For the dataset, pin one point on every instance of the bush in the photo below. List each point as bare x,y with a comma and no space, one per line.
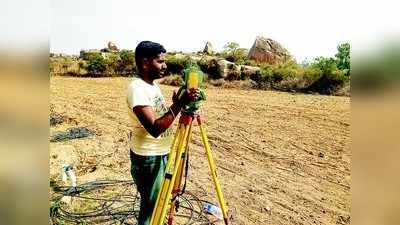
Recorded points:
233,53
281,76
285,70
343,58
112,63
308,76
263,80
65,66
330,79
247,62
127,64
176,63
210,67
96,64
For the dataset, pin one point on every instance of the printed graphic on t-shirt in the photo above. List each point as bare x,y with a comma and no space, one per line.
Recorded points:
160,109
159,106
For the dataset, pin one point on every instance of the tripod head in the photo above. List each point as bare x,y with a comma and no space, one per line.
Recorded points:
193,79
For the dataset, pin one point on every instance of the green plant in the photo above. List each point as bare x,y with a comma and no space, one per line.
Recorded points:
343,58
233,53
176,63
96,64
127,64
331,77
55,206
82,222
247,62
263,79
288,69
112,62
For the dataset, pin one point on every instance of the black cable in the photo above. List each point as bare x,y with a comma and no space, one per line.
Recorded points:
120,208
186,172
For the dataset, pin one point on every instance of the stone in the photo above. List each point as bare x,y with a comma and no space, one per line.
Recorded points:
55,118
208,49
229,70
112,46
266,50
248,71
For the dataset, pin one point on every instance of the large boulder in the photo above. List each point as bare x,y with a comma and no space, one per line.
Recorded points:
218,68
248,71
112,47
266,50
229,70
208,49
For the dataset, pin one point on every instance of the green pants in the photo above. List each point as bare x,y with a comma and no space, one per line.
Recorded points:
148,174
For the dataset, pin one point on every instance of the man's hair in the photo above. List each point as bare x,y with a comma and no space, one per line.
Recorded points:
147,49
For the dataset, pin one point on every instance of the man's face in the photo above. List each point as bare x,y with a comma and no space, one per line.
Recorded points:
157,67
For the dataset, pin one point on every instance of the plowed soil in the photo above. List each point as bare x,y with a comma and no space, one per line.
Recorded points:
282,158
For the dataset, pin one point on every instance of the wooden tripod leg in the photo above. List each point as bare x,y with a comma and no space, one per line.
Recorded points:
164,195
213,171
178,180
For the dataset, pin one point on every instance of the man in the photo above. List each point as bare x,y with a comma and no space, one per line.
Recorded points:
151,137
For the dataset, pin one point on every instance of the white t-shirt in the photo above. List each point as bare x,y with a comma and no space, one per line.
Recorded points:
141,142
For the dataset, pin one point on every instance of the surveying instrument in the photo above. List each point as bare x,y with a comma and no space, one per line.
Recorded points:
171,186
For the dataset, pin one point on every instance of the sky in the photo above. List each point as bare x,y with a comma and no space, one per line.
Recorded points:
307,29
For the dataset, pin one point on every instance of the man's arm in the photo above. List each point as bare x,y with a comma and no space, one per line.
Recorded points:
154,126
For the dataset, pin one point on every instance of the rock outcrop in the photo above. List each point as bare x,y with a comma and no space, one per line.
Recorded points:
229,70
248,71
112,47
266,50
208,49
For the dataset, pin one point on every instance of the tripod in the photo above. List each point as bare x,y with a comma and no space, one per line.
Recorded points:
171,185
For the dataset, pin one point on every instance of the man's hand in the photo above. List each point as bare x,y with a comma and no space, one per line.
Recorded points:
184,97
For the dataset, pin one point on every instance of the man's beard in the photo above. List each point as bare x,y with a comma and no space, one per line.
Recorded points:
157,74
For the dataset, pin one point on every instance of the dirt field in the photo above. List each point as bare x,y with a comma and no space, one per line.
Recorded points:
282,158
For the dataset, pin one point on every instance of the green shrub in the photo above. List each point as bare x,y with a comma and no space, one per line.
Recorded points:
82,67
343,58
176,63
112,62
96,64
233,53
127,64
285,70
247,62
309,75
331,77
210,66
263,80
276,76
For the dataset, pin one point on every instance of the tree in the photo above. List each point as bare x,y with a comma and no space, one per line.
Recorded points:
96,64
127,64
112,62
231,47
232,52
343,57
